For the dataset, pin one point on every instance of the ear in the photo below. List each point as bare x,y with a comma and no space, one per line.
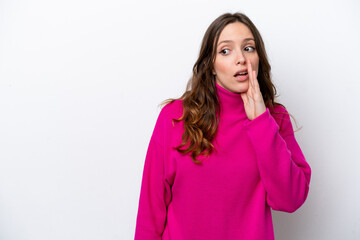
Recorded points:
213,72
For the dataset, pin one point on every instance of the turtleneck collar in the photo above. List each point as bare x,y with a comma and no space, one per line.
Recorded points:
231,104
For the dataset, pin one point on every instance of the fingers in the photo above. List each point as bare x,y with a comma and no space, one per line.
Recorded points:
256,82
251,75
249,70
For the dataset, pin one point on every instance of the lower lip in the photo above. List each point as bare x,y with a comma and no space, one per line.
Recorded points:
242,77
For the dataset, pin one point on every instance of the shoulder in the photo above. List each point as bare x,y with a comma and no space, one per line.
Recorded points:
169,112
278,108
278,111
172,110
282,118
165,124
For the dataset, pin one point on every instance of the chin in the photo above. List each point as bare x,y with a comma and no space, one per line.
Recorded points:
235,87
241,89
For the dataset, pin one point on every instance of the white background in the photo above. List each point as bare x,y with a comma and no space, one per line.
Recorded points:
80,84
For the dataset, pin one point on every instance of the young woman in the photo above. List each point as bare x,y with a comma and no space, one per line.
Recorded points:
224,154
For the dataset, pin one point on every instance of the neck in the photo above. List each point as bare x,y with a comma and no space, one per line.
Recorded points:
231,104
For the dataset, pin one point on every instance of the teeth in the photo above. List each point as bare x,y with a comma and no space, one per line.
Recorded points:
241,73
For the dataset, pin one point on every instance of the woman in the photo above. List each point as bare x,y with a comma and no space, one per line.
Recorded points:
224,154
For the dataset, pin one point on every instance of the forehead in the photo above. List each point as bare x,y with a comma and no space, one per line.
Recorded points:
236,31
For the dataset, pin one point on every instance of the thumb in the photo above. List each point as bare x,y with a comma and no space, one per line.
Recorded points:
244,97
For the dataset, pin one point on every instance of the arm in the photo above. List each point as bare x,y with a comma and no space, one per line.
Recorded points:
282,165
155,192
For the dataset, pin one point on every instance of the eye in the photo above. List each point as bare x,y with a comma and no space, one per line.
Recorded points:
249,49
224,51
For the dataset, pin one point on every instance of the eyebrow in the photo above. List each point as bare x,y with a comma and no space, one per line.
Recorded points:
245,40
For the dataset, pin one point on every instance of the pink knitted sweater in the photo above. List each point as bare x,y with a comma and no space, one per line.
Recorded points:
257,166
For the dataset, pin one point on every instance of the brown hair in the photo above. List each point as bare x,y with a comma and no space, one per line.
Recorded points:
200,101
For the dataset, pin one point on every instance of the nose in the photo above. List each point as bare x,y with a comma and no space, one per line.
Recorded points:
240,59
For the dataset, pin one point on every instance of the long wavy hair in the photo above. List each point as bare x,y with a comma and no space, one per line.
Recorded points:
200,100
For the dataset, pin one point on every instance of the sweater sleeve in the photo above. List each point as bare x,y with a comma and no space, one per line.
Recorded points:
283,169
155,191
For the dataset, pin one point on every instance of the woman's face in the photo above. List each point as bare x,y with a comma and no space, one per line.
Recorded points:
235,48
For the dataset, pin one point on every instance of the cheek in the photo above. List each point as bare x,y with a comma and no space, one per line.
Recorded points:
256,67
221,67
255,63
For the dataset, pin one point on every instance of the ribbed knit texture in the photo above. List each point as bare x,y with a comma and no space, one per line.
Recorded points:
257,166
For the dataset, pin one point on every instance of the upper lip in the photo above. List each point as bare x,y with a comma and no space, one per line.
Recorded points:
243,70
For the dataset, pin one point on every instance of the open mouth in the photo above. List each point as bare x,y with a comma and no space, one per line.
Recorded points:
240,74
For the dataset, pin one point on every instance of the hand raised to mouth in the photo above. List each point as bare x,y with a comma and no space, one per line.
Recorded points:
253,101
